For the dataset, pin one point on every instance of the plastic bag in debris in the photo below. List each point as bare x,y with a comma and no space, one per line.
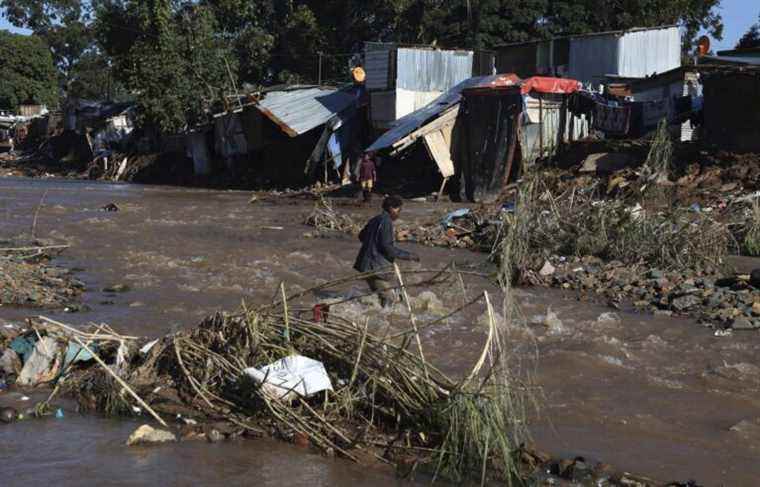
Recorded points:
75,353
23,346
446,221
295,374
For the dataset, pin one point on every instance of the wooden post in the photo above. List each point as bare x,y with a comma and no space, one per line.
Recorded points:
540,127
511,149
571,137
562,124
443,186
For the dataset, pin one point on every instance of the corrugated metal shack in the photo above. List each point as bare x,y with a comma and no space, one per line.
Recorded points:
402,80
654,98
281,135
634,53
478,132
732,108
489,122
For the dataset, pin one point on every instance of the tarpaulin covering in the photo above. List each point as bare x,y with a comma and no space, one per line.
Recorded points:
558,86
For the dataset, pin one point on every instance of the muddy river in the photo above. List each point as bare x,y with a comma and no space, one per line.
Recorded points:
653,395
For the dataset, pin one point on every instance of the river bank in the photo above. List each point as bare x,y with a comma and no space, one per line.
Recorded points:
183,253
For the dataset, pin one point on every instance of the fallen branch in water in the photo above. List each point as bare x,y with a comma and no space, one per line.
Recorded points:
36,249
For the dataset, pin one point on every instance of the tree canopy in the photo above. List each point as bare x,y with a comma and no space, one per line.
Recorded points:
751,38
178,57
27,71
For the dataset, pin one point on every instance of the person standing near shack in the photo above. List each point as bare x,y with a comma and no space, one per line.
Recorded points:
379,251
367,175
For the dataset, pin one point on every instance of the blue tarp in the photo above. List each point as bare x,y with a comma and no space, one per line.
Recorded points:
446,221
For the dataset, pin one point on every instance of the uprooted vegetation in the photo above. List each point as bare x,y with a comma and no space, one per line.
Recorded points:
751,229
388,403
579,224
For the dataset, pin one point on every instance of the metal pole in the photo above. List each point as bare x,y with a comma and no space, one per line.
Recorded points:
320,68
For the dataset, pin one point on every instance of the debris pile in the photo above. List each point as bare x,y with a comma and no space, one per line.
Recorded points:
253,373
326,219
27,279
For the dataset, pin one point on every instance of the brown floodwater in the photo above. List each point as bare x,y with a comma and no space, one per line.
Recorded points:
652,395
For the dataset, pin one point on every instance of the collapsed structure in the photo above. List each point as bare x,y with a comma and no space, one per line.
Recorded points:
474,131
284,133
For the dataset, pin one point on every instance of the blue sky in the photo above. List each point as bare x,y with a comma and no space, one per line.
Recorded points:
738,16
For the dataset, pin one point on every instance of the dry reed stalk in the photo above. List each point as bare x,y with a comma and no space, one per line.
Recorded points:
412,319
121,382
751,239
37,213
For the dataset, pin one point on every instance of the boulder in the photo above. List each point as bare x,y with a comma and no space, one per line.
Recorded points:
147,435
43,364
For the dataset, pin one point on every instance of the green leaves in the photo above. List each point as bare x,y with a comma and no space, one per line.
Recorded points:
27,72
177,64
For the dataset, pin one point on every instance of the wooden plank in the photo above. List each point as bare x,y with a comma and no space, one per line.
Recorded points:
440,151
447,118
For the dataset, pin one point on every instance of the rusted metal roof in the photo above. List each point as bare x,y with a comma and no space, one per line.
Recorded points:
298,110
498,82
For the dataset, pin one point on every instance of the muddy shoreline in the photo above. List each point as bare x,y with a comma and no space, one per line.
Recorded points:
229,221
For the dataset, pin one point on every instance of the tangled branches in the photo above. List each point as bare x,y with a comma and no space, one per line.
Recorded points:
388,401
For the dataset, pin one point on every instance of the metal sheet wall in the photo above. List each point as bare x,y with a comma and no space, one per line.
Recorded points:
645,52
383,108
431,70
593,57
634,54
377,65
